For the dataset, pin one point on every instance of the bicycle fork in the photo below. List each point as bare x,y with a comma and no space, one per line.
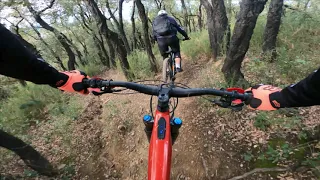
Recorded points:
175,124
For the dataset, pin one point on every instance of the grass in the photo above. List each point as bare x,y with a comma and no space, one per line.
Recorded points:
27,106
92,69
140,64
298,55
198,46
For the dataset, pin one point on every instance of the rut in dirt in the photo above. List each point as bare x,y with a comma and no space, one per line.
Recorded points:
89,162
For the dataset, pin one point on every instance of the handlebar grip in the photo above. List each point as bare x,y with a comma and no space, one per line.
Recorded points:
85,82
247,97
90,83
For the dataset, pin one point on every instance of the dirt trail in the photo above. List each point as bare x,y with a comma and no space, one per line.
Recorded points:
210,145
126,148
108,141
129,149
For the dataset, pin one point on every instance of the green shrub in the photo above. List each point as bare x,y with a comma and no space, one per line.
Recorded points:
262,121
92,69
28,105
199,45
297,48
140,65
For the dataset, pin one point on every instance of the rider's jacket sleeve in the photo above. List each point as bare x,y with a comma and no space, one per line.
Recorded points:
17,62
178,27
304,93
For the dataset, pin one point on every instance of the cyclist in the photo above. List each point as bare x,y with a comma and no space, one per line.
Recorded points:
304,93
165,30
17,62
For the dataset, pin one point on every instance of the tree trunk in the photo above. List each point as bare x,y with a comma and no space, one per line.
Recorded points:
58,60
306,5
112,53
200,24
114,37
133,24
79,54
211,28
119,24
217,24
140,40
185,15
176,17
143,18
27,153
60,36
272,27
102,53
103,59
228,34
159,4
194,25
245,24
81,42
229,9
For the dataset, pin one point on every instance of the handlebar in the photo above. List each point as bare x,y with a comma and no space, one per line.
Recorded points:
173,91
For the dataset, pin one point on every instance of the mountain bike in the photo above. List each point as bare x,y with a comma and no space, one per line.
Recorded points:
169,69
162,128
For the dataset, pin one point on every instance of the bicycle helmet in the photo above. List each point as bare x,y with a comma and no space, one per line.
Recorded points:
162,12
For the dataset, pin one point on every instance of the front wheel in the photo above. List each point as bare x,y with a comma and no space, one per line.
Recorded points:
164,70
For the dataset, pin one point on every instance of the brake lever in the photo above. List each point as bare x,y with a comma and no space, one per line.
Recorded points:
227,103
105,90
220,103
237,107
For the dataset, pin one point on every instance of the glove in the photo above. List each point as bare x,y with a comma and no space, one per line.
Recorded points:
154,38
265,97
74,83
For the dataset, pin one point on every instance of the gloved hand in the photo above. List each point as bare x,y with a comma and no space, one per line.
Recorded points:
187,38
265,97
74,82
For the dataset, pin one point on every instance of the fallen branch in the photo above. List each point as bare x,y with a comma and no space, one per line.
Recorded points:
205,166
260,170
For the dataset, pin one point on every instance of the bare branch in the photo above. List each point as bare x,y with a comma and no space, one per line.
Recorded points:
193,15
37,39
205,166
48,7
260,170
17,24
120,13
112,16
159,3
9,21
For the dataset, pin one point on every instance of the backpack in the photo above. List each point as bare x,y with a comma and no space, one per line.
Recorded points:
162,26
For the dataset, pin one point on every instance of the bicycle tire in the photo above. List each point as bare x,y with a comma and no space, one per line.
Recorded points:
164,69
172,71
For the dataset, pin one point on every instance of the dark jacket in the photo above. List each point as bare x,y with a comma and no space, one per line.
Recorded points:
177,28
